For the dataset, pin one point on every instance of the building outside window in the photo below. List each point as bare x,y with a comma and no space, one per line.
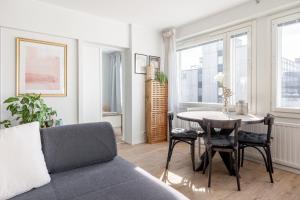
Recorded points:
198,67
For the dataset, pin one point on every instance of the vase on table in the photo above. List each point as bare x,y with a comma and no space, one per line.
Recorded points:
227,93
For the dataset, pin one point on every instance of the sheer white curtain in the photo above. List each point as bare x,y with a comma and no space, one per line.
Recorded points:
171,68
115,97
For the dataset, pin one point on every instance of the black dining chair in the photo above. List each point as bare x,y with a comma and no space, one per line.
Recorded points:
222,143
195,125
257,141
177,135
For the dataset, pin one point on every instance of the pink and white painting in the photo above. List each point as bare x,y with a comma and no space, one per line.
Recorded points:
41,67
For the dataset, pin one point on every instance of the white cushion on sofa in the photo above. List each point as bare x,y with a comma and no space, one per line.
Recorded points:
22,163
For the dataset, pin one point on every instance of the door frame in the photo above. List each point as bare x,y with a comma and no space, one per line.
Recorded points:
101,47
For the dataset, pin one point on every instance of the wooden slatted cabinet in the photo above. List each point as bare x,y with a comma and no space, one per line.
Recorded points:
156,111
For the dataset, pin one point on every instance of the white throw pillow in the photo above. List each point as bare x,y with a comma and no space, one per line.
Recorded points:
22,162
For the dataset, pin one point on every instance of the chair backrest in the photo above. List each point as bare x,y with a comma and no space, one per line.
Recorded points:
269,121
170,120
232,125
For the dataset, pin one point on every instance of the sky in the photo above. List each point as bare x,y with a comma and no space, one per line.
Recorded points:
291,41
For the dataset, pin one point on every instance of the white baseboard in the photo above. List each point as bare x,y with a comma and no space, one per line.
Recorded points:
140,138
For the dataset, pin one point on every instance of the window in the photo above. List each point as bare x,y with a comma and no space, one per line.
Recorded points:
198,67
286,43
230,53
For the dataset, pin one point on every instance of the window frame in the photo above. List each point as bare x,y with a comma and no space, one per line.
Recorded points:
275,65
226,34
249,59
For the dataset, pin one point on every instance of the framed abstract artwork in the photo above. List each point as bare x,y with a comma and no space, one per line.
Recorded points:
41,67
155,62
141,62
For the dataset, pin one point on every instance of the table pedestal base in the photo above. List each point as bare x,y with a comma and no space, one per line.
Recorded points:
225,157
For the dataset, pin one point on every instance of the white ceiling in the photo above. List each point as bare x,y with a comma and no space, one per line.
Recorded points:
155,13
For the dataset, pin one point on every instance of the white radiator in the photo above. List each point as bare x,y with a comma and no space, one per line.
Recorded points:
285,143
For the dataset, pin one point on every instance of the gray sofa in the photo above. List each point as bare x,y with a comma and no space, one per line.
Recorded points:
83,163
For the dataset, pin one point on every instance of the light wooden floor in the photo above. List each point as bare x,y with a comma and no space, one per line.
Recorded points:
255,181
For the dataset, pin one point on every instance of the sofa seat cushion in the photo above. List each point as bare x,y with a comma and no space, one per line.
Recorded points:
114,180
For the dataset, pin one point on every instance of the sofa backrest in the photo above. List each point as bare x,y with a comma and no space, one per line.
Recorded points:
73,146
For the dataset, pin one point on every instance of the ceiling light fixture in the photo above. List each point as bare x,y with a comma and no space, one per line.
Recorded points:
257,1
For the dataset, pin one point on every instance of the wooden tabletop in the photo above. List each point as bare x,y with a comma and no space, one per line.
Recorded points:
197,116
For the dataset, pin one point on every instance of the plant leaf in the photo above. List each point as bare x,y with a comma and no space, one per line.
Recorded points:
11,99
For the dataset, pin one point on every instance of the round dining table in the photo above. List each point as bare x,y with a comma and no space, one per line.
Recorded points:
198,116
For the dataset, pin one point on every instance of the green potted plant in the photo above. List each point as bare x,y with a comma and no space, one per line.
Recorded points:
29,108
161,77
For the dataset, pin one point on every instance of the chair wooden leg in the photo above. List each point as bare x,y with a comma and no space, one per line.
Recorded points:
170,151
242,164
231,162
193,154
199,148
269,163
265,157
210,166
205,161
237,170
239,157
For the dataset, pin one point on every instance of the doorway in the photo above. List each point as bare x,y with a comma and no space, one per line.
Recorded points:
112,109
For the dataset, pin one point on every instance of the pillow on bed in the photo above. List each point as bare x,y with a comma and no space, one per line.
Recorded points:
22,163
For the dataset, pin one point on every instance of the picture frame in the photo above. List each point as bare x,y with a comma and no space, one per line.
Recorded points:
141,62
41,68
155,62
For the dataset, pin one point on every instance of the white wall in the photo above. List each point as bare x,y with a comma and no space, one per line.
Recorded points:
149,42
33,19
45,18
241,13
66,106
90,84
